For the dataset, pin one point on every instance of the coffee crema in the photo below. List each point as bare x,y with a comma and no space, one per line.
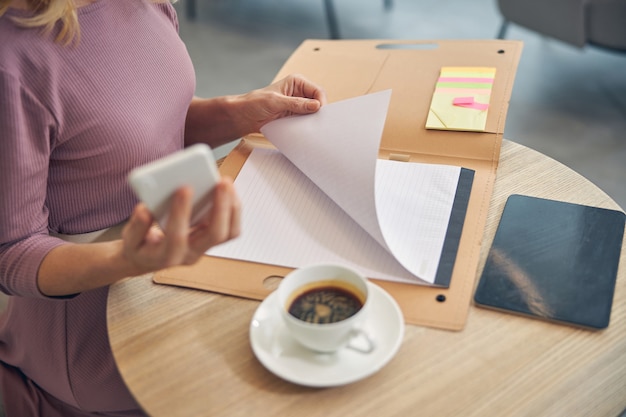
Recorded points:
325,304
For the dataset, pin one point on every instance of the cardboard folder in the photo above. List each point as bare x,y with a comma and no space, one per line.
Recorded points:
349,68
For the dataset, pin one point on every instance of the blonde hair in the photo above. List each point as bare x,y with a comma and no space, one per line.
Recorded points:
48,12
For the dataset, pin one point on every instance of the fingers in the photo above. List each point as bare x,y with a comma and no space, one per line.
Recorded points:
177,227
137,227
179,243
226,214
302,95
309,89
224,220
298,105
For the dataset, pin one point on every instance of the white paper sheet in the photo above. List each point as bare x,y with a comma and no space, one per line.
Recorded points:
325,197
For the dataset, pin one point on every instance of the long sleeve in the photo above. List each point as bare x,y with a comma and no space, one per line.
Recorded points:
24,241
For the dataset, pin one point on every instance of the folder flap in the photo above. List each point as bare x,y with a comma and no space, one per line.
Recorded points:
411,69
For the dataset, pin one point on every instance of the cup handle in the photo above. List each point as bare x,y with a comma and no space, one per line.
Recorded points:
363,342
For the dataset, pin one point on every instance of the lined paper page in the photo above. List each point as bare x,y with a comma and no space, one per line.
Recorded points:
413,203
325,197
287,220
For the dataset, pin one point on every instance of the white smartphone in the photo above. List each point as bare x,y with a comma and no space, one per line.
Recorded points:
155,183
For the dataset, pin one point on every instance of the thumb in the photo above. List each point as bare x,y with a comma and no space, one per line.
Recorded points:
301,105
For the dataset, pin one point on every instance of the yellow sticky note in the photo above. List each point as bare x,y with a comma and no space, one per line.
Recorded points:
461,99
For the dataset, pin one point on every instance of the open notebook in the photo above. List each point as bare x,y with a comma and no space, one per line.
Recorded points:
324,196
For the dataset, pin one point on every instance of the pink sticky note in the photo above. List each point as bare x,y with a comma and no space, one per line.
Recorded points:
463,100
468,102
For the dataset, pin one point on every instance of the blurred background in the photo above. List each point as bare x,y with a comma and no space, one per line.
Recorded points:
568,102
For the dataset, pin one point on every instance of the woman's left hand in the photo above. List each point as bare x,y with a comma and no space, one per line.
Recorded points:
292,95
220,120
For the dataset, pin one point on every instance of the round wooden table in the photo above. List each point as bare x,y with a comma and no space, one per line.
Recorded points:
185,352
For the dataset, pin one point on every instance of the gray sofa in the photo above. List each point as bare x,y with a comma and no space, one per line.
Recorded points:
600,23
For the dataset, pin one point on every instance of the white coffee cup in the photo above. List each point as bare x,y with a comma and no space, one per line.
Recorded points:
332,302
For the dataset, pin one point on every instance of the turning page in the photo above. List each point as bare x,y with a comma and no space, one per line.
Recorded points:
324,196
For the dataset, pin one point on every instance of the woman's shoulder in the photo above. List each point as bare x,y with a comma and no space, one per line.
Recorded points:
168,11
19,47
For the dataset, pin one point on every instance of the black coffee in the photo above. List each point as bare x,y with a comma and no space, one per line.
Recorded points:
326,304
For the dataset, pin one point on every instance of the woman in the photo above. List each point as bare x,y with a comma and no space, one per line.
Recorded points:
90,90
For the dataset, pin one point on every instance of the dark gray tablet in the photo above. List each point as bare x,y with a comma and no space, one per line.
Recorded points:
553,260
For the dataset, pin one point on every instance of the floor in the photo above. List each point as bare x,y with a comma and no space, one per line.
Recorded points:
568,103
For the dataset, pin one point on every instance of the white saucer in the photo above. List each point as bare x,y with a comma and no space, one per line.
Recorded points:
286,358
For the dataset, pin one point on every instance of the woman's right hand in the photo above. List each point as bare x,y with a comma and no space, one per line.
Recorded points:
148,248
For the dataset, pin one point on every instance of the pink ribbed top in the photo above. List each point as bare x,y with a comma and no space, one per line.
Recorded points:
74,120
